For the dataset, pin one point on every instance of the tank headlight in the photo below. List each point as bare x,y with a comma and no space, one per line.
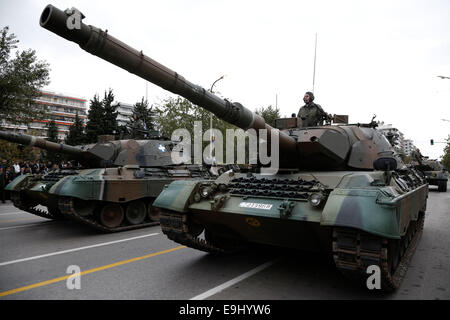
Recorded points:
205,192
315,199
197,197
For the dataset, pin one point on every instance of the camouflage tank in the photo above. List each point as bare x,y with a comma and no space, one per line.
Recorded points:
340,188
115,189
29,192
435,173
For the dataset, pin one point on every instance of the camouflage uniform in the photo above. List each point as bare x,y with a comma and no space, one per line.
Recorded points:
311,114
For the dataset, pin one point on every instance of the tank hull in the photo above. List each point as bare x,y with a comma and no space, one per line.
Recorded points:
378,210
437,178
280,211
118,199
30,193
82,195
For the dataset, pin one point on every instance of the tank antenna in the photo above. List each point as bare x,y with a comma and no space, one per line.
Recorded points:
314,72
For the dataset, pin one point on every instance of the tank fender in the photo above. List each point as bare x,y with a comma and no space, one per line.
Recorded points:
86,185
176,195
15,184
359,208
70,187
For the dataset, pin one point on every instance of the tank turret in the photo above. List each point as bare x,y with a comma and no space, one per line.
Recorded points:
144,153
434,172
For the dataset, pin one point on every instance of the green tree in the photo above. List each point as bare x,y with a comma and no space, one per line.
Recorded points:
179,113
52,136
270,114
446,157
76,133
109,114
12,151
94,125
141,121
52,131
21,79
175,113
102,117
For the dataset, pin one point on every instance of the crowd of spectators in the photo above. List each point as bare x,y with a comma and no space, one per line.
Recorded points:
9,170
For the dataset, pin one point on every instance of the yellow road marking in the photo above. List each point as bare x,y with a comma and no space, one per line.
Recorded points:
116,264
19,219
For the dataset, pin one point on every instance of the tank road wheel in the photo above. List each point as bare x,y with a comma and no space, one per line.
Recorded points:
83,208
111,215
136,212
153,212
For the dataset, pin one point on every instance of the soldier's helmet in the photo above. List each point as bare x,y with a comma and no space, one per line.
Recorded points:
311,96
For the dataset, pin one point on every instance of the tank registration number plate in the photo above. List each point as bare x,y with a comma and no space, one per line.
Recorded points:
253,205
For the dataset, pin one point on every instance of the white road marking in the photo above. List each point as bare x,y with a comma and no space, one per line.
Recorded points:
75,249
233,281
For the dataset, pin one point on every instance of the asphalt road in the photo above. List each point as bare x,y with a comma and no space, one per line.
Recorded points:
35,255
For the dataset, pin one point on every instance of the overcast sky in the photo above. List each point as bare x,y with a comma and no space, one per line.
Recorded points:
373,57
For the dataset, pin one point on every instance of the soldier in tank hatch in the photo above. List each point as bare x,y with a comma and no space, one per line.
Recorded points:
311,113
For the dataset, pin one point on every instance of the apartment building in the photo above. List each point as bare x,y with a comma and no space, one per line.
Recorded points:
62,108
406,145
125,111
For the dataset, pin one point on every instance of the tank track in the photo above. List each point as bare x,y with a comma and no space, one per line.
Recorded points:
176,227
354,251
18,203
66,206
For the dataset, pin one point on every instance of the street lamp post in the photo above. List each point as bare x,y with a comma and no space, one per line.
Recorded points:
213,160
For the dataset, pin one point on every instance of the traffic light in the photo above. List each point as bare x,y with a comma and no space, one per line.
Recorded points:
432,142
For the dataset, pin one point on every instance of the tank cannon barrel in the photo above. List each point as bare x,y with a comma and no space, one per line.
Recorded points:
28,140
103,45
